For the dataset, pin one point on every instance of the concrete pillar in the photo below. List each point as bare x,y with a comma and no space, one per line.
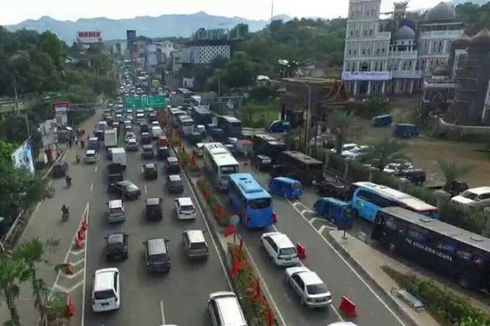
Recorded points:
402,184
383,88
369,88
354,88
442,199
411,86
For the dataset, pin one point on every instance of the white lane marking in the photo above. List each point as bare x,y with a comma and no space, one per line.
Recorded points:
96,168
162,312
82,323
91,187
209,230
351,268
146,189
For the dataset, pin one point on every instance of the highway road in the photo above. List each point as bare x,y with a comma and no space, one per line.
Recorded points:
179,297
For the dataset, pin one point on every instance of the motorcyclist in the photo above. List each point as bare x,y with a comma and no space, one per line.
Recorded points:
65,211
68,180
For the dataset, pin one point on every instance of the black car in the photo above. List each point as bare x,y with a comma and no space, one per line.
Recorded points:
144,128
125,189
163,152
147,152
263,162
172,165
154,209
116,246
174,184
145,138
156,255
150,171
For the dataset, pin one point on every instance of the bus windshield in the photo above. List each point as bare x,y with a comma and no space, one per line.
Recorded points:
259,203
229,169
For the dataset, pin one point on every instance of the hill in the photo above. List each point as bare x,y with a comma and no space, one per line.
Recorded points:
161,26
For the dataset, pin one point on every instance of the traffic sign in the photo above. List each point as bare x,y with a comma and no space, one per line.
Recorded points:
139,102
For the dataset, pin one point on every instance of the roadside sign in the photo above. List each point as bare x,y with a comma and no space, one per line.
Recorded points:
139,102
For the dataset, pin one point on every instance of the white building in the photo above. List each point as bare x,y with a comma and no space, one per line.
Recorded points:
392,56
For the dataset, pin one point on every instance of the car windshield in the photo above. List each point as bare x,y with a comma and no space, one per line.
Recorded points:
259,203
117,210
469,195
104,295
159,258
287,251
296,186
198,245
187,208
316,289
131,186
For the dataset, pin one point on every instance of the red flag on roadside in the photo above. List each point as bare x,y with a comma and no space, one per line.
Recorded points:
229,230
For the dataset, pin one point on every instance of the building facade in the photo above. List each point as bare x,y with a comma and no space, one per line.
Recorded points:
393,56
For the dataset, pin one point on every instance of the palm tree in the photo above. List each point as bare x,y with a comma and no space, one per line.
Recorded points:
12,273
452,172
341,120
384,151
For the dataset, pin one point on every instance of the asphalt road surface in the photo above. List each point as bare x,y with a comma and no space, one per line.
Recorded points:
178,297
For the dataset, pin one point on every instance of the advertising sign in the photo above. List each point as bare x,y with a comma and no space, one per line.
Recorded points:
90,36
61,112
139,102
22,157
366,75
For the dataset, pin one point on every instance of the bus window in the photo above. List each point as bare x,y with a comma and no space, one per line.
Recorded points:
259,203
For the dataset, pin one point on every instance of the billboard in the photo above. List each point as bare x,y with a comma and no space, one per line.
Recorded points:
366,75
89,36
22,157
61,112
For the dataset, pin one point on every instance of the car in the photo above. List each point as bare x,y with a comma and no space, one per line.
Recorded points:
184,207
116,246
116,211
144,128
129,135
154,209
145,138
281,250
150,171
106,293
198,149
473,197
225,310
195,245
132,145
172,165
156,255
147,152
125,189
90,156
308,286
174,184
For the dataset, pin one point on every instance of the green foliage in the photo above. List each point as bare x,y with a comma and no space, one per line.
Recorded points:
384,151
473,16
6,150
12,273
471,219
375,105
452,171
340,122
447,307
257,115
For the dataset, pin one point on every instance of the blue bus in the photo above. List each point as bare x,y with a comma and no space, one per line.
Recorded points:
369,197
231,125
250,201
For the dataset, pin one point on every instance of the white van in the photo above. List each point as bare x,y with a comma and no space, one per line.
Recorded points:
280,248
156,131
106,293
224,309
185,208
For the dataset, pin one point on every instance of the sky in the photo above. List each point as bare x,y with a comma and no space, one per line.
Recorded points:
15,11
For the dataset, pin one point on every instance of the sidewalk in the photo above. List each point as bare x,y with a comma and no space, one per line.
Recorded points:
370,261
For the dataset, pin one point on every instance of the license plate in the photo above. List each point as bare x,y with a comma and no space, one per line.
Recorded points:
105,304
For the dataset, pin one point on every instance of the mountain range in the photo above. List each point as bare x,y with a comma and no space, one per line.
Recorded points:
161,26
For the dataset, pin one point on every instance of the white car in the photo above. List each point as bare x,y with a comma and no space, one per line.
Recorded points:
308,286
280,248
473,197
185,208
131,145
129,135
106,293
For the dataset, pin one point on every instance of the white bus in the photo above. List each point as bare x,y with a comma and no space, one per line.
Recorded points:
219,163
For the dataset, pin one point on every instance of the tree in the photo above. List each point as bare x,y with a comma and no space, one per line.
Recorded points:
12,273
384,151
340,122
452,172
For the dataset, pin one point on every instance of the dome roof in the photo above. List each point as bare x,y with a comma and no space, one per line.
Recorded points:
441,12
462,41
441,70
404,33
481,38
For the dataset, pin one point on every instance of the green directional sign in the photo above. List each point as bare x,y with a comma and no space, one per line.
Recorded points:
139,102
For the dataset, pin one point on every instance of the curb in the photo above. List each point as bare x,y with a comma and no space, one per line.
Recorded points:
386,295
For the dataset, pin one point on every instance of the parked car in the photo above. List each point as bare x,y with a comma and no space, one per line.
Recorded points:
145,138
174,184
153,209
150,171
280,248
308,286
474,197
125,189
195,245
116,246
106,293
156,255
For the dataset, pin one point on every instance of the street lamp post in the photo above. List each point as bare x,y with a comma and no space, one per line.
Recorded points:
308,114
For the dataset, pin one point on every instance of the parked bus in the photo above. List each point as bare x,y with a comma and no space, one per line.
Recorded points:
250,201
267,145
369,197
441,247
202,115
219,164
299,166
231,125
185,124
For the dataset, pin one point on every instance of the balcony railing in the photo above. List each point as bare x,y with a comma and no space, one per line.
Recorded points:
406,74
440,34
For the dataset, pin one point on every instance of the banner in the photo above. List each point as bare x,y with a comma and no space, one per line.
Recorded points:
366,75
61,112
22,157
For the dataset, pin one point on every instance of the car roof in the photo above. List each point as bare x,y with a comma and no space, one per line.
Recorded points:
115,238
90,151
104,279
229,307
280,239
174,177
115,203
153,201
195,235
148,146
157,246
185,201
310,278
172,159
149,165
479,190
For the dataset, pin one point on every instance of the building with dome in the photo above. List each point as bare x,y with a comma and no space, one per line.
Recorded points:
394,56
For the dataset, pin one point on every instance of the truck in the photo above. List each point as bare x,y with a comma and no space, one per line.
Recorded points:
119,156
110,138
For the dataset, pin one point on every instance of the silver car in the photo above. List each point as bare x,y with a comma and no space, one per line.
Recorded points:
308,286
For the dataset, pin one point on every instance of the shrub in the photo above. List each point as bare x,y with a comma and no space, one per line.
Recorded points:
221,215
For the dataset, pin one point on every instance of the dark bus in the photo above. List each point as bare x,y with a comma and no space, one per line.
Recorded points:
456,253
268,145
231,125
298,166
201,115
